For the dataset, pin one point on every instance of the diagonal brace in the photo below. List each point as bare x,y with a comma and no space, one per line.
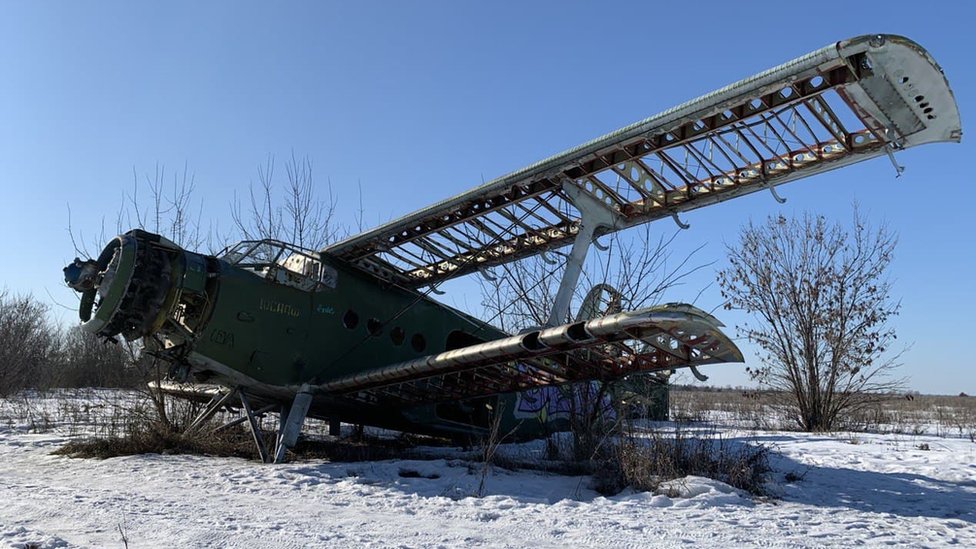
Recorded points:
212,407
255,428
594,214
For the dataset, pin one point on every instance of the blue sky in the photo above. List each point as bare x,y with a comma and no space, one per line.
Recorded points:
418,101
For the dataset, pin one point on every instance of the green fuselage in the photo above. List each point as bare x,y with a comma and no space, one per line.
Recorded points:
282,335
273,337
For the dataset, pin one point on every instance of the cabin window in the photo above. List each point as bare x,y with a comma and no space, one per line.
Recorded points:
397,335
350,319
418,343
374,326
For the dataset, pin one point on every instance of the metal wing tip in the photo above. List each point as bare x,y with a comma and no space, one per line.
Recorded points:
736,355
685,308
731,353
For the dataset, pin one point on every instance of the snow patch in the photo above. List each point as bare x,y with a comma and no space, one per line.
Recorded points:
884,490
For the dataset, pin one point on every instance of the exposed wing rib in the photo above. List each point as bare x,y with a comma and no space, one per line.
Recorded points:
841,104
605,348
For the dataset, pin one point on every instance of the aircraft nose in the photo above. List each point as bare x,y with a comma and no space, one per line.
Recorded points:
131,279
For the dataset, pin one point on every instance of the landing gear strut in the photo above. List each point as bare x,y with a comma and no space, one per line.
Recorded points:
291,419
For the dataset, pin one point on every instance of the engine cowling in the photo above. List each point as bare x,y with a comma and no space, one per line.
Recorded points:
130,288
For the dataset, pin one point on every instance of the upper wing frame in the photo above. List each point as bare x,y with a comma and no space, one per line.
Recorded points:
844,103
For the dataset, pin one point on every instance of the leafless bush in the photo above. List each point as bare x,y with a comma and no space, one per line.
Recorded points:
35,353
489,448
822,304
646,463
104,423
643,458
591,424
945,416
21,410
70,411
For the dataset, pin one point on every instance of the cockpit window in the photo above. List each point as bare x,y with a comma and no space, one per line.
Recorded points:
265,253
234,254
282,262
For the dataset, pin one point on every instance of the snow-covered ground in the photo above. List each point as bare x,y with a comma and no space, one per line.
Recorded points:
855,489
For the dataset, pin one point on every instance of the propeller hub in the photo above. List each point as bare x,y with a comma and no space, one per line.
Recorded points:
81,276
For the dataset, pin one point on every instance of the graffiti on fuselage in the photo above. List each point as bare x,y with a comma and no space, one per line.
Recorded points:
551,403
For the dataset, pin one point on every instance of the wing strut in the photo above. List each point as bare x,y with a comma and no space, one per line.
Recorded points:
594,215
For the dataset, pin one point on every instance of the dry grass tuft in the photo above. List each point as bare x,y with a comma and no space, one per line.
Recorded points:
645,463
158,438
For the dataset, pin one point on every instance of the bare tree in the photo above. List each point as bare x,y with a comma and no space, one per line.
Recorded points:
634,272
299,216
167,210
822,303
641,268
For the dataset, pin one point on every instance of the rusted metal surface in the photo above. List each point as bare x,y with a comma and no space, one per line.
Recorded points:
659,338
847,102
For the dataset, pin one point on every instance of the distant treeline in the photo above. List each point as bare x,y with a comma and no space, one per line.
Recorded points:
36,353
755,390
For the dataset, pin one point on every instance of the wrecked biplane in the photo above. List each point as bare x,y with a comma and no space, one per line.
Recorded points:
350,333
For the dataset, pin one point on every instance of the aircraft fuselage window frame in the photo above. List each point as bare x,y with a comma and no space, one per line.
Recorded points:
282,263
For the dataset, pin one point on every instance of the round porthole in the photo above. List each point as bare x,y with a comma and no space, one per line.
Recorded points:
373,326
418,343
397,335
350,319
